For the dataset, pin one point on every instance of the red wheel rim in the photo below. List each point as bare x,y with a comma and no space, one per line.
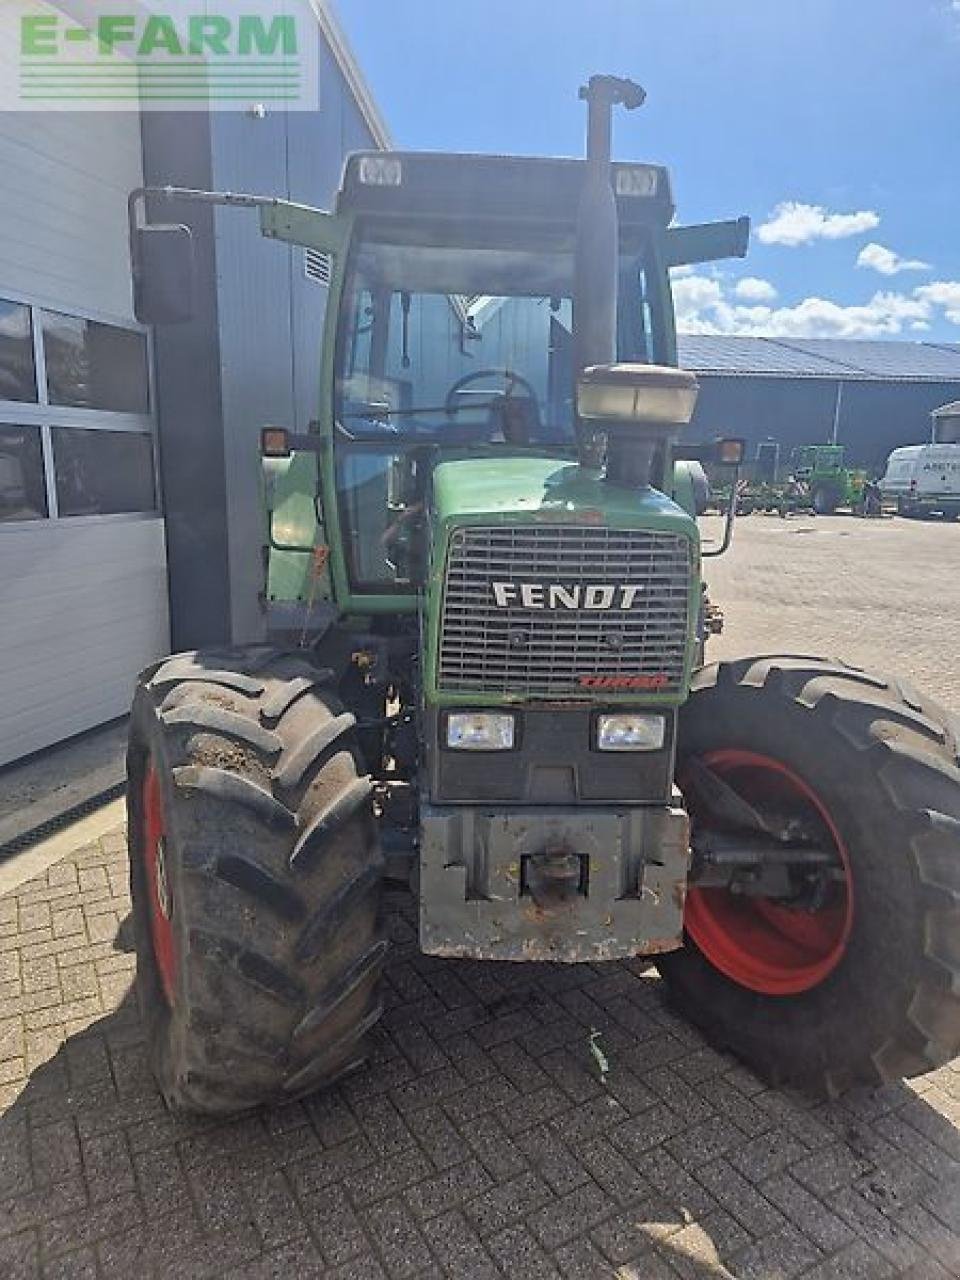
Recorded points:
158,883
757,943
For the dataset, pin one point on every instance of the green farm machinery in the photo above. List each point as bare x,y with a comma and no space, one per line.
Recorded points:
484,672
830,483
817,480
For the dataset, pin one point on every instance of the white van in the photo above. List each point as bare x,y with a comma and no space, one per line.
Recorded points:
924,478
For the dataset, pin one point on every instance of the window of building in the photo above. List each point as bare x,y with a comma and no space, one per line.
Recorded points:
22,488
90,365
18,375
103,472
64,449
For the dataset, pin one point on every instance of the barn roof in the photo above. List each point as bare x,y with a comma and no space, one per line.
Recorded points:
832,358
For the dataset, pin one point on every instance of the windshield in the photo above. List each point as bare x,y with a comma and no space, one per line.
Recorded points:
454,346
437,340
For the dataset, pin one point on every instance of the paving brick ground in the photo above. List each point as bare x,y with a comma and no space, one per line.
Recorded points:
480,1142
883,593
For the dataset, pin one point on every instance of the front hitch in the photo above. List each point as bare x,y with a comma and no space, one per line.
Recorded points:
554,878
568,884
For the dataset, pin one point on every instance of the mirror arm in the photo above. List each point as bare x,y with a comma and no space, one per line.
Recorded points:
139,195
305,442
278,442
203,197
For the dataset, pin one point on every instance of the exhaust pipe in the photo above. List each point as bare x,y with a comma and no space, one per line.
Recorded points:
597,243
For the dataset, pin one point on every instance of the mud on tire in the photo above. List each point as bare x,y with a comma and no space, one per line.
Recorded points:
259,942
884,762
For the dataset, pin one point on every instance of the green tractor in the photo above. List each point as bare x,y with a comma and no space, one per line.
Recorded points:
485,586
822,471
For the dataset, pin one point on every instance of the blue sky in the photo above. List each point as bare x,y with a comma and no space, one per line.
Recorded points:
834,123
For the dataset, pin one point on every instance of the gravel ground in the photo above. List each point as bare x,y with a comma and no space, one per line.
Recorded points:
480,1142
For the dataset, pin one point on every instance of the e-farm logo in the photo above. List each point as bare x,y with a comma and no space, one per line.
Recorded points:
150,55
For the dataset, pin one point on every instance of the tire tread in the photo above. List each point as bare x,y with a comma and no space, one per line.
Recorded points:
261,761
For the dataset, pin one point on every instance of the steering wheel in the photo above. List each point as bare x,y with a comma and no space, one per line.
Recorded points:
517,416
478,375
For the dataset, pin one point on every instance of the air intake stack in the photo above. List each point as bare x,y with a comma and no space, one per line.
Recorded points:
640,408
595,262
637,407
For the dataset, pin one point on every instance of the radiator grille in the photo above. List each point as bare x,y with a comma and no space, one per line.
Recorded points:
485,648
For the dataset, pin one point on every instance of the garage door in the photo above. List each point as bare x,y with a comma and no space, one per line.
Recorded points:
83,595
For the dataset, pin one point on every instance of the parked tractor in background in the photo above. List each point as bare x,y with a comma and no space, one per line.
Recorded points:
486,668
830,483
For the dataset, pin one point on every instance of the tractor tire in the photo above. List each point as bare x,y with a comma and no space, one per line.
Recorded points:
865,989
255,873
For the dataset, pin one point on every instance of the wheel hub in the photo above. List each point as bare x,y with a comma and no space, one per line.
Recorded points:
769,946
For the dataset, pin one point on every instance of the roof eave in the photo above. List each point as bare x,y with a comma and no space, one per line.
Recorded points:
346,60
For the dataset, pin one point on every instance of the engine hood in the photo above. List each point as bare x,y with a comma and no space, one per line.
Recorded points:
473,500
502,490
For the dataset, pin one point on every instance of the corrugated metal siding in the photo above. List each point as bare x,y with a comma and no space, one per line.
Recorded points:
875,417
271,315
63,228
84,608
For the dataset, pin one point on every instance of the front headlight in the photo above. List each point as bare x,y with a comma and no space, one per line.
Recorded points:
629,731
480,731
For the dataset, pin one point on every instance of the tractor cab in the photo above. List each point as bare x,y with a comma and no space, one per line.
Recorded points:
455,331
461,315
818,459
826,478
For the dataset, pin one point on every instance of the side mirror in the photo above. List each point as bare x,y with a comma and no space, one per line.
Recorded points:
164,273
710,242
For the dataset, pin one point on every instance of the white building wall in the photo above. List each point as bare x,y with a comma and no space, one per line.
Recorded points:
63,211
83,599
83,606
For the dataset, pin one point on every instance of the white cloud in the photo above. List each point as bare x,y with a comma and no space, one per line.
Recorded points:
793,223
751,289
709,305
884,316
942,293
694,295
879,258
703,307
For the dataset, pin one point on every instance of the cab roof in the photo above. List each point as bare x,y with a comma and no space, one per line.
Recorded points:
445,185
